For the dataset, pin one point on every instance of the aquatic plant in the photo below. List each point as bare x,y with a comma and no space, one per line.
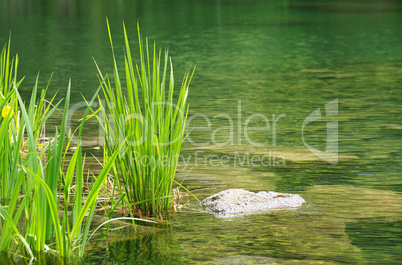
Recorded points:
11,138
68,230
34,186
8,107
41,180
8,76
145,119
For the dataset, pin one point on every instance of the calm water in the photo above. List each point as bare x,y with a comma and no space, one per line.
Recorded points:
283,58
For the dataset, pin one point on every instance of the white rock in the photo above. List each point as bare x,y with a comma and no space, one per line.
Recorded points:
234,202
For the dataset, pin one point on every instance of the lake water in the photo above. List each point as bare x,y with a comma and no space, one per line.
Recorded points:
259,63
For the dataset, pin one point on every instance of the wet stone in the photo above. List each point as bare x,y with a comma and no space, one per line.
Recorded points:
233,202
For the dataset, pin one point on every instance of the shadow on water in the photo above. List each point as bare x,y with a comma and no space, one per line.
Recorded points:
379,240
297,176
155,249
373,6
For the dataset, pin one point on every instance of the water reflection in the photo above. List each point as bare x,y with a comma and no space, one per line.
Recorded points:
277,57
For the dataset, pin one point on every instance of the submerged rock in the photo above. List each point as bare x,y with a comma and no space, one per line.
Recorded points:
246,260
352,204
233,202
269,155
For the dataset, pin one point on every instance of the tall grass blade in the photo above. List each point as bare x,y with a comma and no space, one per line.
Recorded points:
146,122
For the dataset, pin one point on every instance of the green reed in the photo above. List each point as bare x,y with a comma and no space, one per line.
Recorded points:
8,107
34,186
146,120
46,180
11,139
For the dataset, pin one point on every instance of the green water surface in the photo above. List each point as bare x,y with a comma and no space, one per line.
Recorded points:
254,57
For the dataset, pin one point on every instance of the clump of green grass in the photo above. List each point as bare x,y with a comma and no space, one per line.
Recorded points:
33,184
48,181
8,122
145,118
11,138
